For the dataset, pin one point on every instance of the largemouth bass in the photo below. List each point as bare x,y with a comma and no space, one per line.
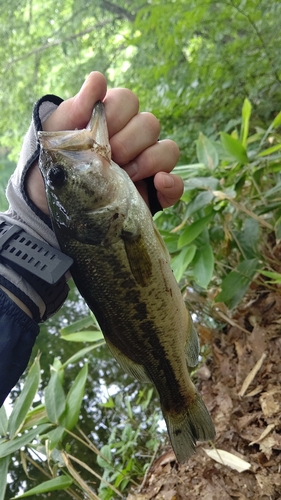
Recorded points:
121,268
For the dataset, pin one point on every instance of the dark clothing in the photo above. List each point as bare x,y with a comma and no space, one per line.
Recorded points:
18,333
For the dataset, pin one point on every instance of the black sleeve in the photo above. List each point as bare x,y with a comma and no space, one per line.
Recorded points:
18,333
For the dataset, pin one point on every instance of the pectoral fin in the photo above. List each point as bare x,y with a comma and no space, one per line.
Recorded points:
138,258
135,370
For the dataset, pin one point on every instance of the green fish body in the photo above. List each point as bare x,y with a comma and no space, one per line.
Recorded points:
121,268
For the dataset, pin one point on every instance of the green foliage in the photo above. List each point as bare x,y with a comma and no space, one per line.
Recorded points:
218,231
191,62
59,483
120,457
41,431
195,65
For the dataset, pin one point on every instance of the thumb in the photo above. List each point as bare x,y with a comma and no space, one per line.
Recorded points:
76,111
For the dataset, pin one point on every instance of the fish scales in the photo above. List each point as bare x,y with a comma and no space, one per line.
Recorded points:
121,268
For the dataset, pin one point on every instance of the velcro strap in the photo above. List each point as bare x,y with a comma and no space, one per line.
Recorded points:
41,265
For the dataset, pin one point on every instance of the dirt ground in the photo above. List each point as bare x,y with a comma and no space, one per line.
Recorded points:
241,386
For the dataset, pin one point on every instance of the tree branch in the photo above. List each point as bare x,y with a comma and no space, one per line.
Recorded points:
50,45
116,9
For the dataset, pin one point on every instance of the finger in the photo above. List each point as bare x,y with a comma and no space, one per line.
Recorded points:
169,188
76,111
121,105
140,133
160,157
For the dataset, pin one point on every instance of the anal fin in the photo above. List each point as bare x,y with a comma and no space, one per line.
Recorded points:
135,370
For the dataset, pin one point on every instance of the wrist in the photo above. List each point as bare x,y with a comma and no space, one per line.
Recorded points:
17,301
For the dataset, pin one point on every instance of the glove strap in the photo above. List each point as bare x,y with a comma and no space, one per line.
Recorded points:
41,265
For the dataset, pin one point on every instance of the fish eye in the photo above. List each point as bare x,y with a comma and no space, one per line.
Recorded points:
57,176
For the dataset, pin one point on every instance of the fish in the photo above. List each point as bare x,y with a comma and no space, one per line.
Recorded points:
121,268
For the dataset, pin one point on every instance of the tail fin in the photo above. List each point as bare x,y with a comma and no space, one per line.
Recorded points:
195,424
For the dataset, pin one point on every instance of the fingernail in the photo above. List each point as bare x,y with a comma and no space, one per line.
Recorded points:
168,181
131,169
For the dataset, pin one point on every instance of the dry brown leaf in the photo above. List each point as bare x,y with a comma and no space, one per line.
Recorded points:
250,377
263,434
266,446
225,458
270,402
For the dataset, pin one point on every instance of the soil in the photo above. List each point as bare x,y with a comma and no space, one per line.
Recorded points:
241,386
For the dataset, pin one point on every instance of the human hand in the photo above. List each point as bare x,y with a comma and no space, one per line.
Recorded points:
133,139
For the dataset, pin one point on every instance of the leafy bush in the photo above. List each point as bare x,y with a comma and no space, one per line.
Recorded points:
230,206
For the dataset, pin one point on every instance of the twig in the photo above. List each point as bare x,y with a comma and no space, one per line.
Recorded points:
148,469
231,321
250,377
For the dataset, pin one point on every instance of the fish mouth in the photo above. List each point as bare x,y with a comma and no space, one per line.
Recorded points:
94,137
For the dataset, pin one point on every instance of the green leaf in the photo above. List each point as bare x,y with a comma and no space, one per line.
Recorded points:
275,277
187,171
246,113
193,230
3,421
35,416
182,260
74,398
4,464
234,148
200,201
59,483
25,399
80,354
236,283
209,183
277,121
249,238
270,150
203,266
170,239
206,152
12,445
104,459
76,326
55,436
54,398
84,336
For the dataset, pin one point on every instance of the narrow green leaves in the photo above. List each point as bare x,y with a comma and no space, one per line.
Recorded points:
277,121
54,398
74,398
76,326
3,421
4,464
58,483
246,114
12,445
25,399
84,336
